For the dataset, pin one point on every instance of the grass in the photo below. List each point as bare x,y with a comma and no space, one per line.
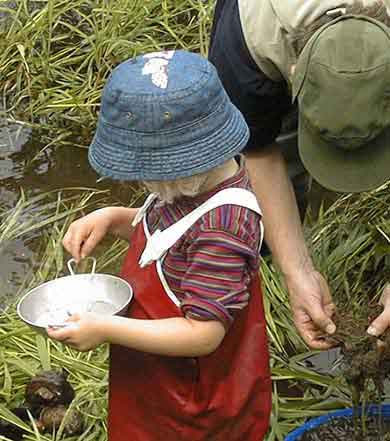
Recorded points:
54,59
351,245
56,55
299,392
23,353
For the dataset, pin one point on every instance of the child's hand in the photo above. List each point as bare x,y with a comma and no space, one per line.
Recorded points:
84,332
85,233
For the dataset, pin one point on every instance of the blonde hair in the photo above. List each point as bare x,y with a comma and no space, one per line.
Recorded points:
377,10
168,191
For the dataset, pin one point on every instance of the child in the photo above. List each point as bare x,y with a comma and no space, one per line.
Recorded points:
190,360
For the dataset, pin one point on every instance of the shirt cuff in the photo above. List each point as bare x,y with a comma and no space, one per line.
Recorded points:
202,309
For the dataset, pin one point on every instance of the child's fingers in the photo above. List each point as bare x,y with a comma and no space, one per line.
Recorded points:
69,239
62,334
73,318
57,333
88,245
74,239
77,243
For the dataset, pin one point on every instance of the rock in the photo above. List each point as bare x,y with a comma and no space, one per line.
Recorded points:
48,389
52,417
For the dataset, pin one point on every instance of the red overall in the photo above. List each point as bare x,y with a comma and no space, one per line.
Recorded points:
225,396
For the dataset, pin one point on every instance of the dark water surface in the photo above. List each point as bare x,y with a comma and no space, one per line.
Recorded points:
59,166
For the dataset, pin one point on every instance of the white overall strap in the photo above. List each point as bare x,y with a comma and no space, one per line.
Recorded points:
141,212
160,241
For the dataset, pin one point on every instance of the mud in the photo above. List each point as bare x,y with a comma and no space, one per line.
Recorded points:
343,429
366,358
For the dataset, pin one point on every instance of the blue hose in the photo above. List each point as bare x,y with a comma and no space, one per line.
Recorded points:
323,419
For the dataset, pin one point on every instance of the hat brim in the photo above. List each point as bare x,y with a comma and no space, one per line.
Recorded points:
345,171
110,157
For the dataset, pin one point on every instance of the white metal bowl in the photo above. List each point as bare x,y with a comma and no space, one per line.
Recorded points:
51,303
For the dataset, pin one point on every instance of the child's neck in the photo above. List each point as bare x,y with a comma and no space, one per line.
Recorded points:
220,174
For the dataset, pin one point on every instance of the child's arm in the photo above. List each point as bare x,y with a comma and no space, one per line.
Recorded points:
178,336
85,233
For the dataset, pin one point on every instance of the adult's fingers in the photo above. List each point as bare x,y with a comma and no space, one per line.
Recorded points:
321,319
380,324
385,297
314,338
320,344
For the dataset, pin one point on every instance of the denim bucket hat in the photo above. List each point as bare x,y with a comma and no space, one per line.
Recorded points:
165,115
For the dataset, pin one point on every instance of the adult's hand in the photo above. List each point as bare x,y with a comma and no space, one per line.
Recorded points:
312,307
382,322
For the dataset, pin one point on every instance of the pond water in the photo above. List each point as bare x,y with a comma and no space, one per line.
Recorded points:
58,167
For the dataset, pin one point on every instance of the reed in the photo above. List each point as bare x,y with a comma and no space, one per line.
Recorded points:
56,55
54,59
299,392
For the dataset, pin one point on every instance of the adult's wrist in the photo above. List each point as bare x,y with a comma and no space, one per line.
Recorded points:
298,264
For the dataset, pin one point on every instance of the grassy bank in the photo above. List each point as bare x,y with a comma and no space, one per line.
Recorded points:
356,261
54,59
56,55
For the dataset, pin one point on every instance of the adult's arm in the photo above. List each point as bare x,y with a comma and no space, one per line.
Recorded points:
309,294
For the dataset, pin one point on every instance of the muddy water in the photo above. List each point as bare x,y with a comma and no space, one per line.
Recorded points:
58,167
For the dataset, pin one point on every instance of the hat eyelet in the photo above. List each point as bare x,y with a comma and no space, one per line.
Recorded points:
129,116
167,116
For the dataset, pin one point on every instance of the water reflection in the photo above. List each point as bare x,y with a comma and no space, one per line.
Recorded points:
28,164
13,137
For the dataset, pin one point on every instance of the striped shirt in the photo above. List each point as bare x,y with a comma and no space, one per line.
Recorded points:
209,268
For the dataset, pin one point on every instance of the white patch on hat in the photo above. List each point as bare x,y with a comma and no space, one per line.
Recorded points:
157,67
160,79
154,65
163,54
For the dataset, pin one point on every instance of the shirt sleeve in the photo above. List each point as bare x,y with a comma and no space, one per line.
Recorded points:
221,263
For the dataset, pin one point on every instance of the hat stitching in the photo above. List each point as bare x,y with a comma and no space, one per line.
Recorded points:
102,164
171,95
323,133
305,57
165,131
331,69
240,142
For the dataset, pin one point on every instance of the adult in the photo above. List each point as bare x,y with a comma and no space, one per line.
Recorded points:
333,58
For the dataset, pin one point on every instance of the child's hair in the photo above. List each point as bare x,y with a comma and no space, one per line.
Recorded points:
169,191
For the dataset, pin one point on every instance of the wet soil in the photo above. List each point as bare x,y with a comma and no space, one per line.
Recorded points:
365,367
366,358
343,429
